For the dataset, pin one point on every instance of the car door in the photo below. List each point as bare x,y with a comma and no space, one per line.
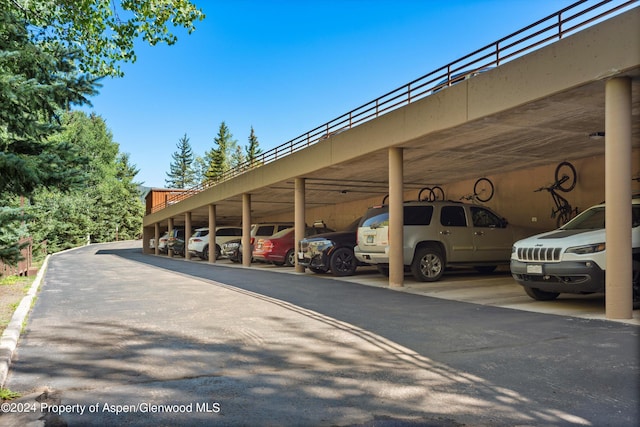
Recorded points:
492,238
456,234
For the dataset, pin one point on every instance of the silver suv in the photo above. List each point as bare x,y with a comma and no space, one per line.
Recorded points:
438,235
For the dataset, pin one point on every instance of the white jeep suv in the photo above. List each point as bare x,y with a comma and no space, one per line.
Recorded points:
572,258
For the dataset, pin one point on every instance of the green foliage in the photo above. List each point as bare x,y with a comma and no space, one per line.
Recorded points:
219,159
12,229
182,174
50,53
6,394
104,31
253,150
36,81
107,207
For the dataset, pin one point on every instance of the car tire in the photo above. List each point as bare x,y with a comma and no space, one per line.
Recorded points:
343,262
428,264
540,295
290,258
205,253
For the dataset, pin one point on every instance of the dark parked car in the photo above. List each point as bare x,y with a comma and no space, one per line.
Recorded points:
330,252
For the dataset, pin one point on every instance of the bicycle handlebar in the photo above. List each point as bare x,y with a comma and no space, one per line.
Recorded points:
553,186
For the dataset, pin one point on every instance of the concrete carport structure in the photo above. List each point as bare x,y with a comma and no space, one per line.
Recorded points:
515,117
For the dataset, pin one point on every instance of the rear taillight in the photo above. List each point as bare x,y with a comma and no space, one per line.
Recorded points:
253,239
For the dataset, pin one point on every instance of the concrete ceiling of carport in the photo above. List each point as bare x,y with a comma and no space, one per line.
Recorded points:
546,131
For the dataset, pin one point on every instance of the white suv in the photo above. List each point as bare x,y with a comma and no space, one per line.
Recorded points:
199,242
572,258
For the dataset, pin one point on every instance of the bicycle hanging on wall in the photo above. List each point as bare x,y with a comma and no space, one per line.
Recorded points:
565,181
483,191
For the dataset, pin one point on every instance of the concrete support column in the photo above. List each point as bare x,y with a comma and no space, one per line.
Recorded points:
212,233
396,217
187,234
156,238
619,303
246,229
169,251
299,207
146,235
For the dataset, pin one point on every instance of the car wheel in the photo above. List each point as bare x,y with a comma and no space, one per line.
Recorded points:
218,252
540,295
290,258
428,264
205,254
485,269
343,262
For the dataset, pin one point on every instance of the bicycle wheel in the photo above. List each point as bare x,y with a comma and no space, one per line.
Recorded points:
429,194
438,193
483,189
566,169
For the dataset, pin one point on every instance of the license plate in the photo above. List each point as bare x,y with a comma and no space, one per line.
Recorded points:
370,239
534,269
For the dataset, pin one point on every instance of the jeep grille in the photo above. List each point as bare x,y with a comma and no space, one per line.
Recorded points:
539,254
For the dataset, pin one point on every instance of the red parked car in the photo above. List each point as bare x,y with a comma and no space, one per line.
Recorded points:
279,249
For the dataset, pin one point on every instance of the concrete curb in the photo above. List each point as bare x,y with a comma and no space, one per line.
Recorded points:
9,339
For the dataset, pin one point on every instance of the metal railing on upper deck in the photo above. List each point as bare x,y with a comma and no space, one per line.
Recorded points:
543,32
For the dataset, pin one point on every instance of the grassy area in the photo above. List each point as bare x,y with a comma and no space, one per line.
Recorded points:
12,290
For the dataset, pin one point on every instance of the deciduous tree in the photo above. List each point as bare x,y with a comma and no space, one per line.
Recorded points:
104,31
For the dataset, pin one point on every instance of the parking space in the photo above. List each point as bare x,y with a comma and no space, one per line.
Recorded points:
497,289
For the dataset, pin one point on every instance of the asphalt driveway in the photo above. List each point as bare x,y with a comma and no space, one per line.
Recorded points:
121,338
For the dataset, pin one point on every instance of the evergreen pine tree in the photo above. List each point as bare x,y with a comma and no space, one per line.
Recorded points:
182,174
219,158
36,83
253,150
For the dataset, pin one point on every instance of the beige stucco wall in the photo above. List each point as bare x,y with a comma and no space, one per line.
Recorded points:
514,195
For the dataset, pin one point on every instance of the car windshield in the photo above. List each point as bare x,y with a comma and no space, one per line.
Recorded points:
201,233
282,233
594,219
591,219
376,217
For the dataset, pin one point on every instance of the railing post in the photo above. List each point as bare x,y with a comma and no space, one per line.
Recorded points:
560,25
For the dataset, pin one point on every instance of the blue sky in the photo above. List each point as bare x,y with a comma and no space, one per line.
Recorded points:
285,67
